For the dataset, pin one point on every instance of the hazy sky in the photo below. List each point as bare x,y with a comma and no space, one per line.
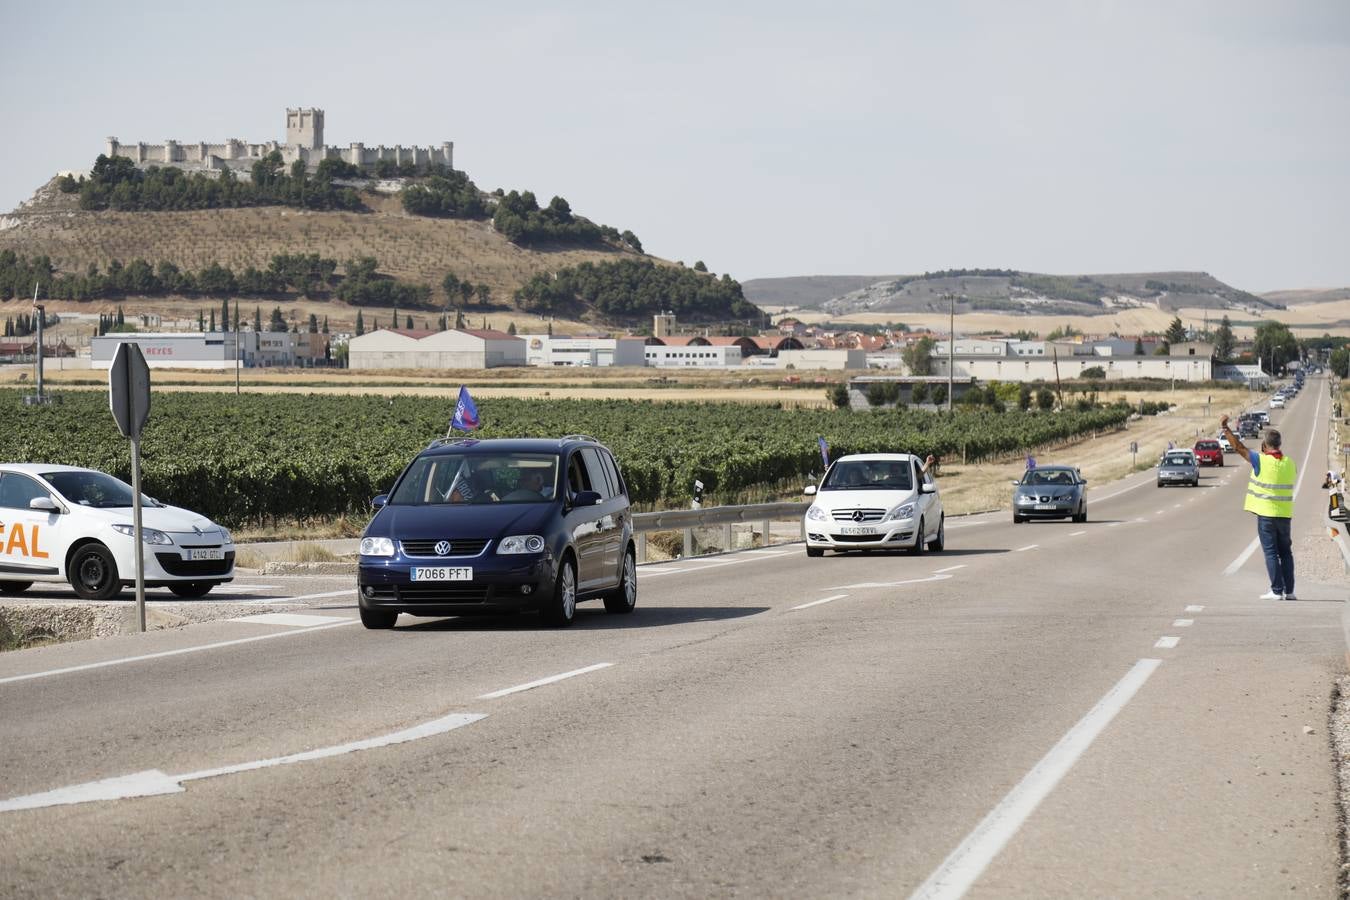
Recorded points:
775,138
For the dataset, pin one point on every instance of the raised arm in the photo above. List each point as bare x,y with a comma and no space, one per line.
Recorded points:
1234,439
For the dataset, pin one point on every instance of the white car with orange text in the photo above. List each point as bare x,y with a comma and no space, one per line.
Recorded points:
67,524
875,501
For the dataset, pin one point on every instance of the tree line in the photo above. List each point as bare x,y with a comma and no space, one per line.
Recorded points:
302,274
117,183
630,288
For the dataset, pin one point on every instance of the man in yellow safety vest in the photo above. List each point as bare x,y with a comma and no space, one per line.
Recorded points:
1270,495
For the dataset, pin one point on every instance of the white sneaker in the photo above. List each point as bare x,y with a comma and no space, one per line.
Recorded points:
1271,595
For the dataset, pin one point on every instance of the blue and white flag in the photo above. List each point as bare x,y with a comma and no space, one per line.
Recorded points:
824,452
466,414
1031,462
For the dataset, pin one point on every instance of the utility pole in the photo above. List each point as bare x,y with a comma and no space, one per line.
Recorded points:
951,345
1059,387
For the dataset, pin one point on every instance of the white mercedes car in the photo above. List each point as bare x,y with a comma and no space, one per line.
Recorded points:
875,501
62,523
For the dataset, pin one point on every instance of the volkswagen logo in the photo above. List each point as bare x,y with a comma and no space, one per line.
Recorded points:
858,515
442,548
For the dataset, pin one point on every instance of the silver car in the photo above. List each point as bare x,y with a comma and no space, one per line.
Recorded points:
1178,467
1050,492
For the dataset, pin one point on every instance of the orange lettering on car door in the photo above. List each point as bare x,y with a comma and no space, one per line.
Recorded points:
16,539
36,553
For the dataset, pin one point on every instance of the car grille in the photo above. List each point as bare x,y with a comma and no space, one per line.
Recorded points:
868,515
443,593
176,565
458,547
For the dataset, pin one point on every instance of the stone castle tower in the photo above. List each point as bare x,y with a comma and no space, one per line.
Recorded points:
304,128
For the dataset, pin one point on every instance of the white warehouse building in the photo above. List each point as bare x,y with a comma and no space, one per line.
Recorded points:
200,350
569,350
693,355
453,349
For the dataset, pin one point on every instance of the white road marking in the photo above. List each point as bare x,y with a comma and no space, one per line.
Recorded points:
132,659
1194,608
1122,491
543,681
1076,533
1027,547
1160,512
960,870
1167,642
818,602
154,782
1183,623
950,569
237,588
1178,505
1112,524
1242,557
877,584
294,620
348,592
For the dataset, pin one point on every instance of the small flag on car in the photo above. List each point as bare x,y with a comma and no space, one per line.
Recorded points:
466,414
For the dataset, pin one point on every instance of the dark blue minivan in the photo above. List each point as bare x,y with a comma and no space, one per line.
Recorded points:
500,525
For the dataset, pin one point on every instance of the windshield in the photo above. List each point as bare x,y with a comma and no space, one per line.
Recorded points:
1177,460
871,474
93,489
1050,476
478,478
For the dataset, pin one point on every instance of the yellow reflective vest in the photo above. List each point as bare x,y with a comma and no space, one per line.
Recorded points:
1270,492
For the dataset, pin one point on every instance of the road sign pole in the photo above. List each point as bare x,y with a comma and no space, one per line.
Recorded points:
136,536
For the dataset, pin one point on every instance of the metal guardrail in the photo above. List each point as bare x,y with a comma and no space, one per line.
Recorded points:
687,520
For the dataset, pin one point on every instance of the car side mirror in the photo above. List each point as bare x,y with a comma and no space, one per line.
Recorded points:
585,498
1015,482
46,504
809,490
1084,481
927,488
379,501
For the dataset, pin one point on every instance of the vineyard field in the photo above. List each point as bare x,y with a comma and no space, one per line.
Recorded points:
261,458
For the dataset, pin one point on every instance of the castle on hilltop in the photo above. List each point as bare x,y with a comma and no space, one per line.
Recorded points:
304,141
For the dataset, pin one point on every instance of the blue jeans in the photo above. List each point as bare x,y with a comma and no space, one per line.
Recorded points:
1278,548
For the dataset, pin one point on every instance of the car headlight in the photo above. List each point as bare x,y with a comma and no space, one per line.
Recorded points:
901,512
816,514
225,536
148,535
1025,498
377,546
521,543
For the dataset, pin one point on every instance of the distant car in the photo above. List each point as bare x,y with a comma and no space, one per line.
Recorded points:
1223,442
875,501
1209,453
1262,417
481,526
68,524
1178,467
1277,402
1050,492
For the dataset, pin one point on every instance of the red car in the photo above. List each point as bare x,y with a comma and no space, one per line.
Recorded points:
1208,453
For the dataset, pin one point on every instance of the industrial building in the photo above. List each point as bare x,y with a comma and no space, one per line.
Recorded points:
583,350
212,349
453,349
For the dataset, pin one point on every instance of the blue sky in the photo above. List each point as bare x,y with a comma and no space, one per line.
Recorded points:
770,139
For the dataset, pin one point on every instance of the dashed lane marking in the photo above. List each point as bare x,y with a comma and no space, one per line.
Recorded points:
529,686
1027,547
949,569
818,602
1183,623
1076,533
878,584
1167,642
1195,608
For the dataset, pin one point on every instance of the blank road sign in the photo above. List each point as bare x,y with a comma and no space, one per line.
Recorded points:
129,390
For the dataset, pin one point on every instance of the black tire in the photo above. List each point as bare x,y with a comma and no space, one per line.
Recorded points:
192,588
1017,520
815,551
93,573
624,598
940,541
11,588
378,619
561,609
920,545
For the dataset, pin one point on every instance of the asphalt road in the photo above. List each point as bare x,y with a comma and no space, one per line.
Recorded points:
1042,710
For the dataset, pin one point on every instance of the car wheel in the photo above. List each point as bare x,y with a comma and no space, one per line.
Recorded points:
562,609
93,573
940,541
624,597
1018,520
815,551
920,545
378,618
14,587
1081,515
192,588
